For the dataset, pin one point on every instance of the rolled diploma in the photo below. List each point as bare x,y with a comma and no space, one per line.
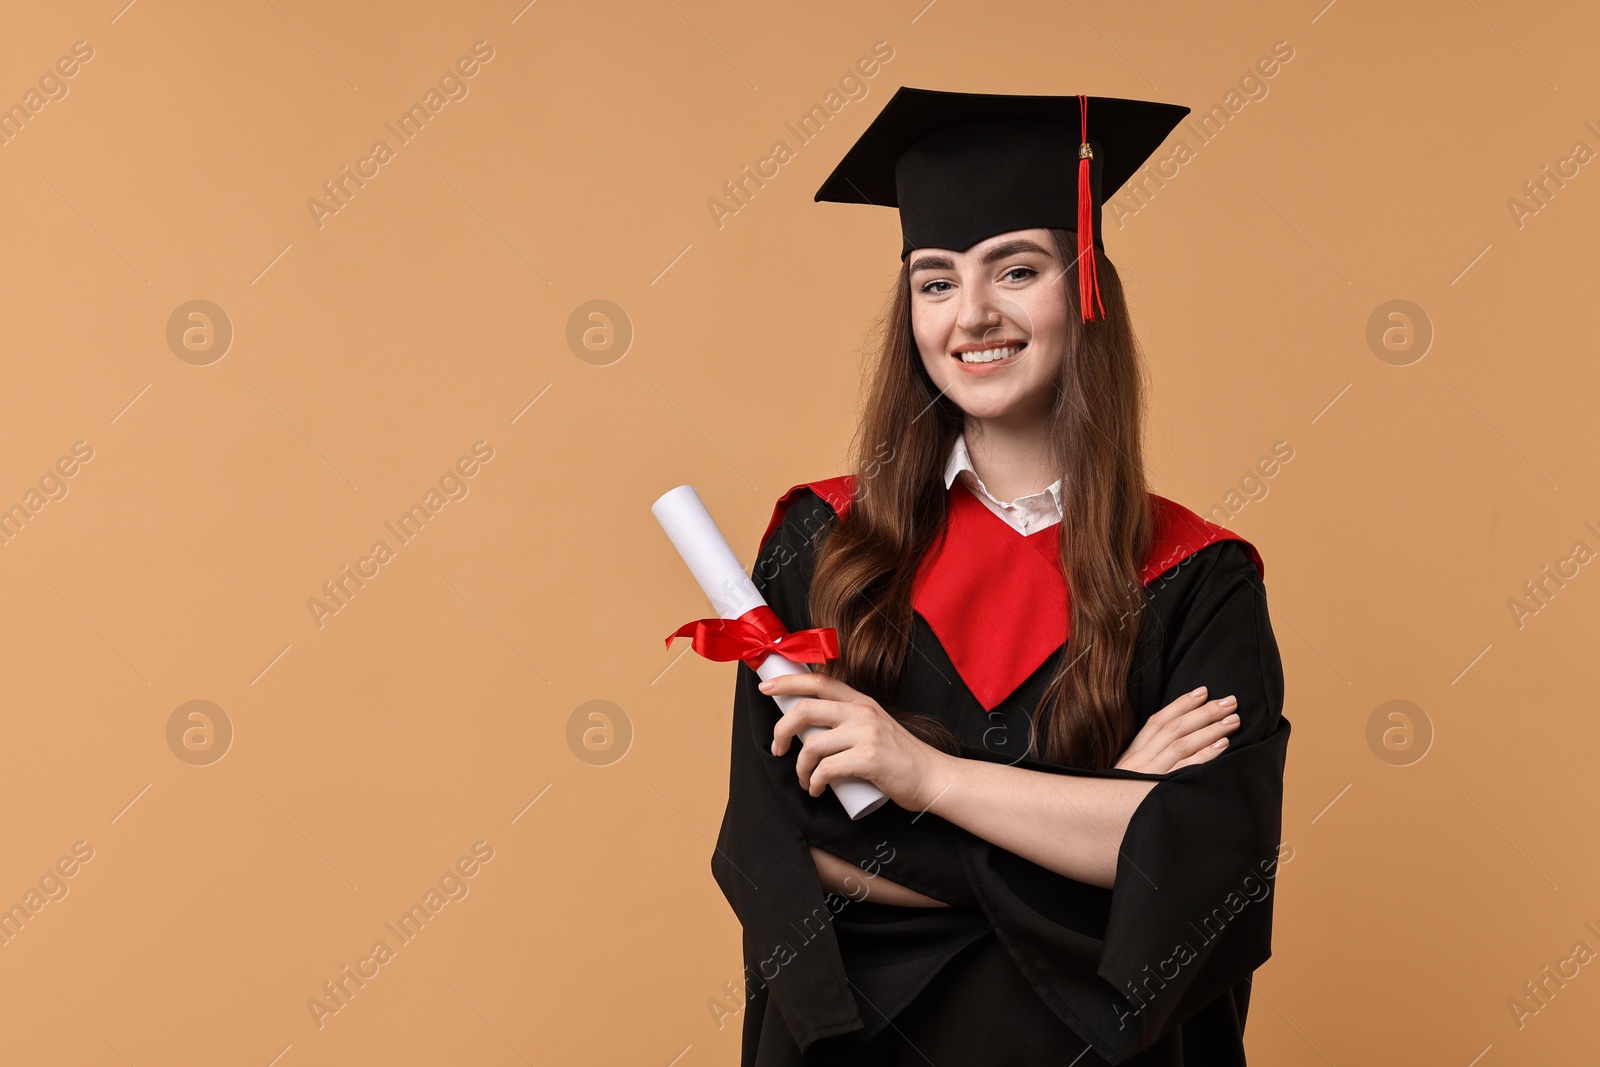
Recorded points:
722,578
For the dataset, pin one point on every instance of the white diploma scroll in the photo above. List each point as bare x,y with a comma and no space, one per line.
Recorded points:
723,579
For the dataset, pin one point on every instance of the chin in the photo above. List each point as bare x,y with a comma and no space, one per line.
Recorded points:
985,407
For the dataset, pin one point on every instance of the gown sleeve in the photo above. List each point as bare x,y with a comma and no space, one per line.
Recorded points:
762,860
1190,912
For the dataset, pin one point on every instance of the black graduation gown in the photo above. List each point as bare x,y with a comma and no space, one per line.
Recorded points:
1153,971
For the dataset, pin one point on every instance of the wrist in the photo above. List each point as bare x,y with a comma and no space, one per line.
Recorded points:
938,780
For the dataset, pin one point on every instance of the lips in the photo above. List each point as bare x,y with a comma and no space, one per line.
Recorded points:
979,355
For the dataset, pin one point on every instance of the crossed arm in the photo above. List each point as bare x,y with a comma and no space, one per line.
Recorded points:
1068,824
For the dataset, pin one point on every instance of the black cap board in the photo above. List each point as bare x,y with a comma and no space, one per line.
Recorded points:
962,167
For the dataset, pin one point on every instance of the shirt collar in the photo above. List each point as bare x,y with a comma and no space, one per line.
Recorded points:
960,460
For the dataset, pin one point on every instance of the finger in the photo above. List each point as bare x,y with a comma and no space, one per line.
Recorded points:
1188,721
1205,755
839,765
810,683
1195,737
1206,744
1151,731
1210,712
1205,737
1180,705
806,712
818,747
1162,726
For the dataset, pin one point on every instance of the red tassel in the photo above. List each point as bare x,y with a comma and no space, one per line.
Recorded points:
1088,276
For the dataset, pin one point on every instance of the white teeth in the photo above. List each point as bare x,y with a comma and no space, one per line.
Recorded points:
991,355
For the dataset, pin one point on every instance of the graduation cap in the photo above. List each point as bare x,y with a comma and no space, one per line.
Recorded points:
962,167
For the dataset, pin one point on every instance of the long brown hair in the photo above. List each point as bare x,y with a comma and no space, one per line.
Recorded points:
865,563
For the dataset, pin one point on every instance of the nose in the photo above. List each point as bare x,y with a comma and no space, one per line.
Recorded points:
979,315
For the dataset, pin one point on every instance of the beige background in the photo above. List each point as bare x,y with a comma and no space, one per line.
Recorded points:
434,710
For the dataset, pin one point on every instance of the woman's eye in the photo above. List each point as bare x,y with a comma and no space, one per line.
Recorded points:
1010,275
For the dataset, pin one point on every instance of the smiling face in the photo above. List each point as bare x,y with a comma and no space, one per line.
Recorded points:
991,323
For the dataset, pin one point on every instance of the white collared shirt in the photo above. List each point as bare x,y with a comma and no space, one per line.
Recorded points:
1026,514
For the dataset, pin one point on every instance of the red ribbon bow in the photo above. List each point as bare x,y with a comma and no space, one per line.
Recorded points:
754,634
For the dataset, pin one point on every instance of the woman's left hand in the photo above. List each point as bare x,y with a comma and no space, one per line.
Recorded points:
862,741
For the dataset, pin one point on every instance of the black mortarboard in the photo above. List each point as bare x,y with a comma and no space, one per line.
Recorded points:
962,167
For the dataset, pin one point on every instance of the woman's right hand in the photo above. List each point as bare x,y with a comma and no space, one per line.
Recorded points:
1185,732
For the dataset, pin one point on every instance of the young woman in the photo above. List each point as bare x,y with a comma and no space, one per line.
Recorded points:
1067,686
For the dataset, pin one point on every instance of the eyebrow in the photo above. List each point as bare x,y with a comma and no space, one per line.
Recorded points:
999,251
